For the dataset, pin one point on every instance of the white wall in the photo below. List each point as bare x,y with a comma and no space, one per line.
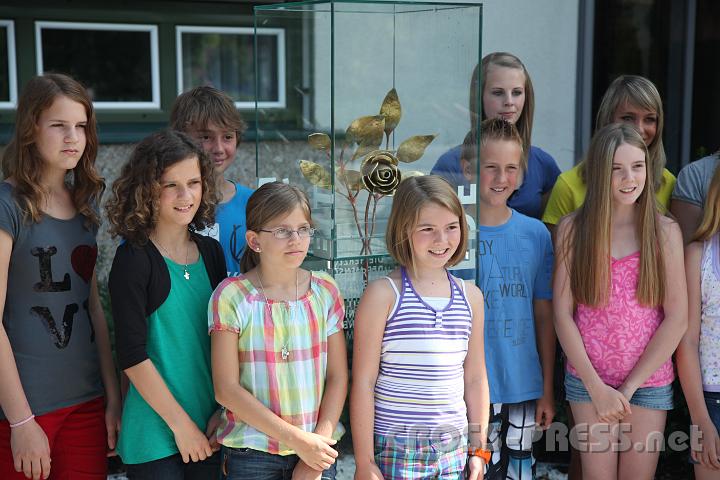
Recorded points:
543,33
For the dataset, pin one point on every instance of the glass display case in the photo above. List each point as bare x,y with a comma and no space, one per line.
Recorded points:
375,92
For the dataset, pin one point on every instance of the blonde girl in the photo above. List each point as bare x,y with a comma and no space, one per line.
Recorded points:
160,283
633,100
58,390
698,353
506,92
420,402
278,349
620,307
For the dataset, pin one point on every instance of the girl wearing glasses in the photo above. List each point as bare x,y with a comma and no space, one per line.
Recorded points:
160,283
278,349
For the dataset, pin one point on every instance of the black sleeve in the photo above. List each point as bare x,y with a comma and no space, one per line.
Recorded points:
214,259
128,285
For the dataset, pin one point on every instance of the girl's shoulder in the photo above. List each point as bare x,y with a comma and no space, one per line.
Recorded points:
238,286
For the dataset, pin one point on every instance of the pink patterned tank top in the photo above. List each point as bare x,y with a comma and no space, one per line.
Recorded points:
615,336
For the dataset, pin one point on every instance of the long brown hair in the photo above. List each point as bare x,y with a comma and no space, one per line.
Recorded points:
524,124
268,202
642,93
590,239
133,207
23,163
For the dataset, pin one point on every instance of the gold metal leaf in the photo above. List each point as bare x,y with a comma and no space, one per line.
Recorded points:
391,110
366,131
316,174
412,173
414,147
319,141
352,178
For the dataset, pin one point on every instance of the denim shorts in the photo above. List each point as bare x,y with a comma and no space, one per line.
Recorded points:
249,464
655,398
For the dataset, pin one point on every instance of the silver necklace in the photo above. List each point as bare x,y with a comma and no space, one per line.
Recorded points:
285,351
186,273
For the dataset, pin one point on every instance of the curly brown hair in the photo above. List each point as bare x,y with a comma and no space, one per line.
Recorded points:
22,162
133,207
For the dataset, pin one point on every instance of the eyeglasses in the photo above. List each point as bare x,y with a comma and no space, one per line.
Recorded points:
285,233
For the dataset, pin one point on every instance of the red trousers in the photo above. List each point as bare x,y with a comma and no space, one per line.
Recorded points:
78,443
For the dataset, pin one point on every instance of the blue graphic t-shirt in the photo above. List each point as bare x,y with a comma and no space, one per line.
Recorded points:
515,262
230,227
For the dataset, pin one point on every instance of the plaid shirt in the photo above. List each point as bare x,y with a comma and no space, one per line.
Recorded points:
282,348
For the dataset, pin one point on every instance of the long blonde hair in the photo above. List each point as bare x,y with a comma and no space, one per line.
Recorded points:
589,238
642,93
711,213
524,124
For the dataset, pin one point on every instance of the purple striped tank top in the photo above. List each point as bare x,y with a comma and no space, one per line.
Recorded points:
420,385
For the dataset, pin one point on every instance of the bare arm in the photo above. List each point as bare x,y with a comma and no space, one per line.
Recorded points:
336,386
477,390
688,362
666,338
370,320
610,405
546,339
688,217
29,444
191,442
107,366
313,449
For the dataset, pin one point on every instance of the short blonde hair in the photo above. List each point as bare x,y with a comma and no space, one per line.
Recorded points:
493,130
411,196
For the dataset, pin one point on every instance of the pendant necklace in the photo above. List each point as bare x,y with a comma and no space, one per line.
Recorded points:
186,273
285,351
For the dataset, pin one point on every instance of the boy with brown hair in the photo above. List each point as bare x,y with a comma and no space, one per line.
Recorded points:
210,117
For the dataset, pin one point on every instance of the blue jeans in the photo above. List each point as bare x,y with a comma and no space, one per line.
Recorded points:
173,468
249,464
655,398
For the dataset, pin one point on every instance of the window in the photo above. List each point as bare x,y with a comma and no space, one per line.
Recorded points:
8,75
118,63
223,57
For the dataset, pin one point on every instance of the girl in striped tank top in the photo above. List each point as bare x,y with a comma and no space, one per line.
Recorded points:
420,393
698,356
619,297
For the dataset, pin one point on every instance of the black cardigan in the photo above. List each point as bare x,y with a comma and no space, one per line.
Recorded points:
139,283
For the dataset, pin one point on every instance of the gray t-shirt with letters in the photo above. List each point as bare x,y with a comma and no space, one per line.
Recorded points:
46,307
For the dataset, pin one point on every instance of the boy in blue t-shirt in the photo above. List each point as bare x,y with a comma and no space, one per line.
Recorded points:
515,260
209,116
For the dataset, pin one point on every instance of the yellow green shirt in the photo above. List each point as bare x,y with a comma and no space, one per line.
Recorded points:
568,194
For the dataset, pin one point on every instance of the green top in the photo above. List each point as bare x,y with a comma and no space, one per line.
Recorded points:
179,347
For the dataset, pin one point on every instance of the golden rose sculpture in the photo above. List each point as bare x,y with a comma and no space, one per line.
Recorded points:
379,173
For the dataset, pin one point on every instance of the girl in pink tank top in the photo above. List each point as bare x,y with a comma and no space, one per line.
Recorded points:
698,356
620,308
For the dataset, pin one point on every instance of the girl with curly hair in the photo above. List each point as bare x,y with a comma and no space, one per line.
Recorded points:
59,398
160,283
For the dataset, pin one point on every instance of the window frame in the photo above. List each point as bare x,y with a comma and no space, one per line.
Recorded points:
279,33
152,29
12,65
